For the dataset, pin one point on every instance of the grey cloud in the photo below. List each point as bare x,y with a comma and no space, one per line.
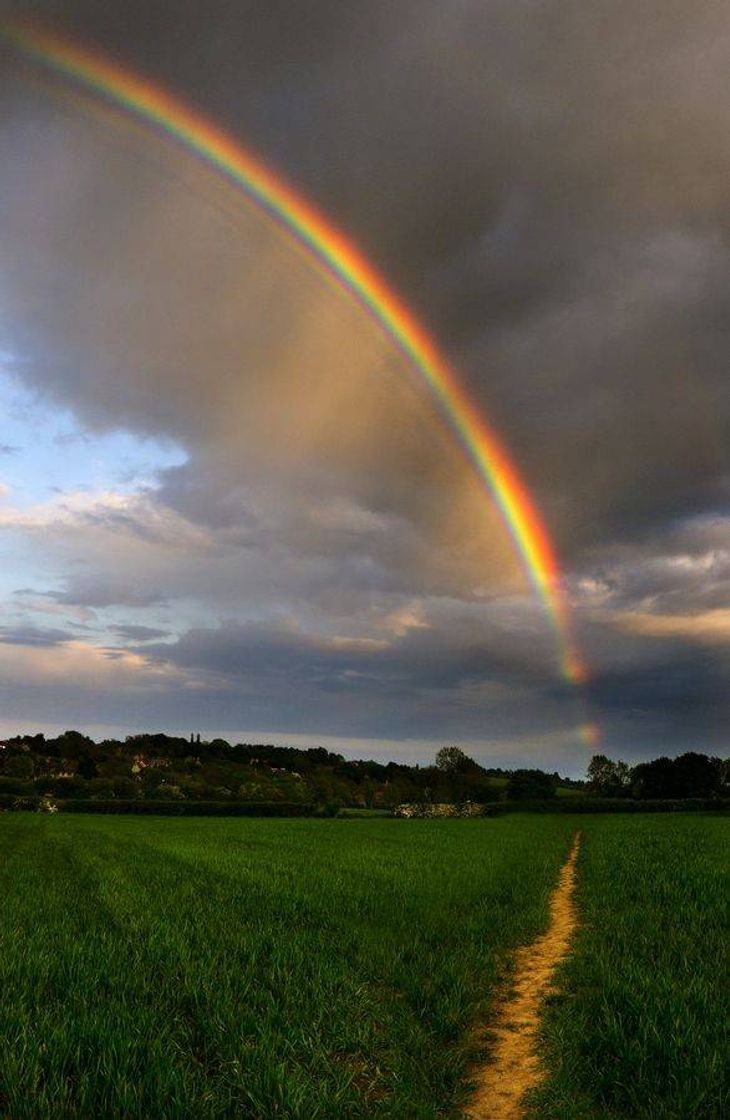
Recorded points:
674,702
133,633
34,636
664,696
423,680
96,591
681,569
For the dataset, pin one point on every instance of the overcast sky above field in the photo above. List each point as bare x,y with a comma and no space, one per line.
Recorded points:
226,503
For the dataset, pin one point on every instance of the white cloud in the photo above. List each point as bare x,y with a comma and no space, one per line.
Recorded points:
81,665
711,627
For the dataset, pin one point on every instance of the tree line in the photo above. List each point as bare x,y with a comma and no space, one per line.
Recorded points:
689,775
159,767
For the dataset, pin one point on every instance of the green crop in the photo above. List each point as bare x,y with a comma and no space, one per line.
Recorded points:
640,1030
255,968
333,969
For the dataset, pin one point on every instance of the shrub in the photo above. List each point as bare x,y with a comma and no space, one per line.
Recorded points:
192,808
15,787
615,805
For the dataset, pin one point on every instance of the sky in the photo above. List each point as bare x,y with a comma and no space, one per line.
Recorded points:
229,505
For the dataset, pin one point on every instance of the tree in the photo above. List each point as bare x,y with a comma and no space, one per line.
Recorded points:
73,743
528,785
483,791
690,775
452,760
656,779
608,778
87,768
20,766
722,765
124,788
697,775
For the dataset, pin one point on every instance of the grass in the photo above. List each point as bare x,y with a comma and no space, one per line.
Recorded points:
640,1032
320,969
255,968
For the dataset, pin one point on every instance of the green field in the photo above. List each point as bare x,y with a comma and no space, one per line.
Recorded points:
304,968
254,968
641,1030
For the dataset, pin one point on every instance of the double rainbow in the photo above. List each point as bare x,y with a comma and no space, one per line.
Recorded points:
353,272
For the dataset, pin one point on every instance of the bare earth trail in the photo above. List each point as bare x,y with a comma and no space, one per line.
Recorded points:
514,1067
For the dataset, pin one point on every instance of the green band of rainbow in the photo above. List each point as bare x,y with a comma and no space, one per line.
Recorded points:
350,268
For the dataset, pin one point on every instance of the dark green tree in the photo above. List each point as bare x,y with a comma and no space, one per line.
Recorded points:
73,743
656,779
20,766
608,778
529,785
452,760
86,767
696,775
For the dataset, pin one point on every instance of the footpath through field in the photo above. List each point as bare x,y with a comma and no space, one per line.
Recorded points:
514,1066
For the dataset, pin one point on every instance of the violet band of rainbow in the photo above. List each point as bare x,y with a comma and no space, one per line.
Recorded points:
352,271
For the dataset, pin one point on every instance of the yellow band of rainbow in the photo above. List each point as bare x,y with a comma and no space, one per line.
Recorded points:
353,271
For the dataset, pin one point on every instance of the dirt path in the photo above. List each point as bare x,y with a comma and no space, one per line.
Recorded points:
513,1066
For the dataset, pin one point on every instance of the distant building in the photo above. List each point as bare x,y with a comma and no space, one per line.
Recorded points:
140,762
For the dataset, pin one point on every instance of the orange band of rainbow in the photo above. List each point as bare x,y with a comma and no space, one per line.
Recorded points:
353,272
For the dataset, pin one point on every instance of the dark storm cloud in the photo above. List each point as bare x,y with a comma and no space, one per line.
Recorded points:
418,684
683,568
679,684
419,659
675,701
548,186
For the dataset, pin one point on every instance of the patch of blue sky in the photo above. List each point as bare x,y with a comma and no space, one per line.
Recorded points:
44,451
21,565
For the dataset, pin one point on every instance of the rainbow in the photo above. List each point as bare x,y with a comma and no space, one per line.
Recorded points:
353,272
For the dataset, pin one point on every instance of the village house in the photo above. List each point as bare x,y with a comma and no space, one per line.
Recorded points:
140,762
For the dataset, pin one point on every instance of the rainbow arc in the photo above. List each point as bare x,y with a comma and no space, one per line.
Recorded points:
352,271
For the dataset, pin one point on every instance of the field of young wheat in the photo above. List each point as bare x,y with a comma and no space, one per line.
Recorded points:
310,969
210,968
640,1030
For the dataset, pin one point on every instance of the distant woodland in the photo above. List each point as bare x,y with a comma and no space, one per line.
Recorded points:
38,772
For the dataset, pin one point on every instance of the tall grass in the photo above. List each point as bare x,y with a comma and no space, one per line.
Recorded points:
641,1030
254,968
